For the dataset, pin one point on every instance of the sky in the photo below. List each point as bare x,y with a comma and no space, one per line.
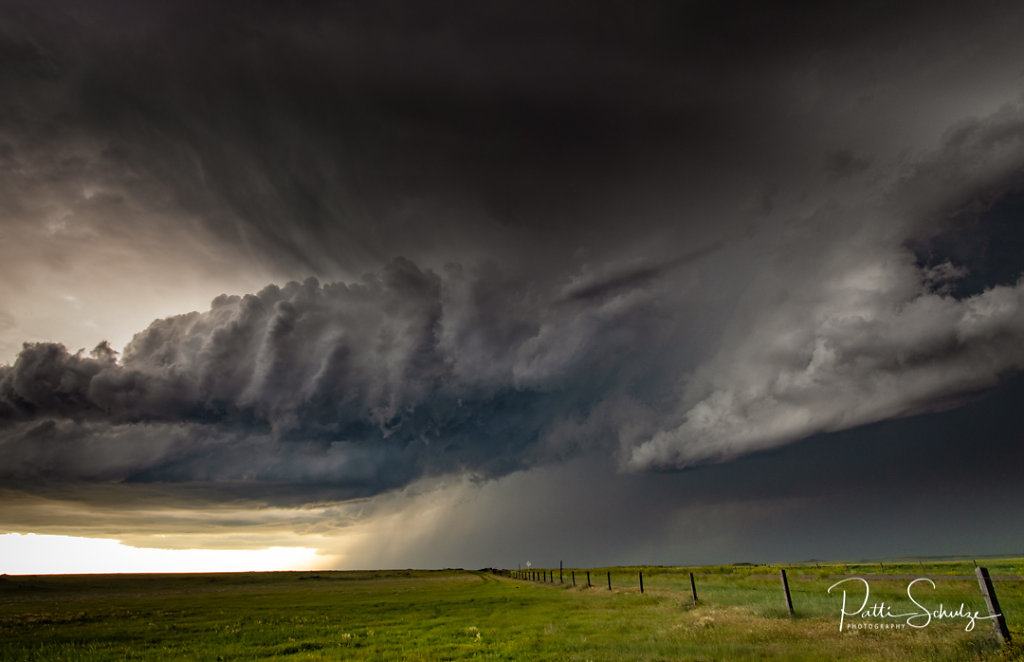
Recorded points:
471,284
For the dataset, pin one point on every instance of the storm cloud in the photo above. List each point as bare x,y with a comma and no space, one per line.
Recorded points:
366,385
487,248
407,373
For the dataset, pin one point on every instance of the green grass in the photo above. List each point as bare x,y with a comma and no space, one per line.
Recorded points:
437,615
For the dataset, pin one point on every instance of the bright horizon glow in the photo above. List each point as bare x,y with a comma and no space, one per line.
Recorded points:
32,554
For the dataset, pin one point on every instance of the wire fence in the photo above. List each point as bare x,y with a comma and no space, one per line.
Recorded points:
931,590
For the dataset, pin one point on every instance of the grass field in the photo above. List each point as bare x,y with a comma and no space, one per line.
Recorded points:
452,614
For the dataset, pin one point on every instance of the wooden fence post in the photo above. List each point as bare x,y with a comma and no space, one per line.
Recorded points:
785,587
989,591
641,573
574,578
559,572
588,579
609,580
693,589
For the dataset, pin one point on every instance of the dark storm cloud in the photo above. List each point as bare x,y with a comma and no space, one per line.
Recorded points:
327,139
899,312
661,234
363,386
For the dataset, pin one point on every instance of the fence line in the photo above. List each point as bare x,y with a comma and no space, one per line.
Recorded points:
988,592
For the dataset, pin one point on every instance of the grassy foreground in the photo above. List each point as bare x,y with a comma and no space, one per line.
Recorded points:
436,615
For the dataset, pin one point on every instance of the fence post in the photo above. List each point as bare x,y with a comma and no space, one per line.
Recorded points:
574,578
609,580
989,591
693,589
559,572
641,573
588,579
785,587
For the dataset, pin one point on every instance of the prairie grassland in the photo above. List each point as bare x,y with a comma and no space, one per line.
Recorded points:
452,614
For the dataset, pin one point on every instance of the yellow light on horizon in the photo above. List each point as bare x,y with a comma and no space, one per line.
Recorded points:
33,554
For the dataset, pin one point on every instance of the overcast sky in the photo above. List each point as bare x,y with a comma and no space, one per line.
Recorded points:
473,283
